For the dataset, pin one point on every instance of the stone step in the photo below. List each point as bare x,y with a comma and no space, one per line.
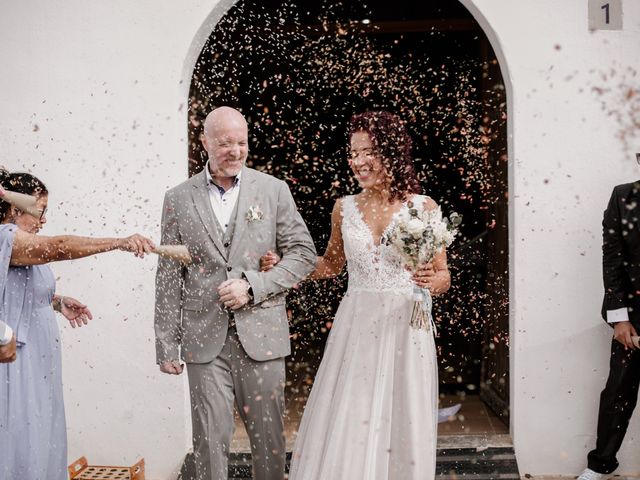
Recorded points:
492,463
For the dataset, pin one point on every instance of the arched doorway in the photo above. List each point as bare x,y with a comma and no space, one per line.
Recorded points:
298,72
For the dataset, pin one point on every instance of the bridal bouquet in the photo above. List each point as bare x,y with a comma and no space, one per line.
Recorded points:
417,235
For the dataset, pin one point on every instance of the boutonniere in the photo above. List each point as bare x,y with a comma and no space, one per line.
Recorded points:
254,214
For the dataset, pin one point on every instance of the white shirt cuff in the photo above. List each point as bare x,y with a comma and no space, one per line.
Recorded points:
7,336
618,315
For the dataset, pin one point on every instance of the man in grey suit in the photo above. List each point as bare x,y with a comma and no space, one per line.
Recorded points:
225,317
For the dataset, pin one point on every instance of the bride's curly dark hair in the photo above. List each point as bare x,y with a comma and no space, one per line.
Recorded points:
392,143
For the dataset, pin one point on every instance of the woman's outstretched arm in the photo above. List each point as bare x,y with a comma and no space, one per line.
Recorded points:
29,249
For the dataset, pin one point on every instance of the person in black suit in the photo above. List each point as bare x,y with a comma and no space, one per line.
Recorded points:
621,309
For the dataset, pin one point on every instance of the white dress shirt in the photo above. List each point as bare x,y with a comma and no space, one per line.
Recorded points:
618,315
222,202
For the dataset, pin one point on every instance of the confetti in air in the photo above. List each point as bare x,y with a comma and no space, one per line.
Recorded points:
299,72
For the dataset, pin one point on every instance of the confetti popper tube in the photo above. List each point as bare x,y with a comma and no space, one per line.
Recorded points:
26,203
174,252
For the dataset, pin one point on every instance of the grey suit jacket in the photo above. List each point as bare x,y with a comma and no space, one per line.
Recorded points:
188,314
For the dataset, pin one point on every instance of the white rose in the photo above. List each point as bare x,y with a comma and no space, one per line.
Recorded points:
403,216
442,235
415,227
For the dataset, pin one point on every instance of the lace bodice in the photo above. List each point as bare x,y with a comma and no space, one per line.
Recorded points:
371,266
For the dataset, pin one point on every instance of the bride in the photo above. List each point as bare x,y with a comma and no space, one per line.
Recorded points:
372,412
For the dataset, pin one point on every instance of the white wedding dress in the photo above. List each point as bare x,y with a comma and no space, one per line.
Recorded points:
372,411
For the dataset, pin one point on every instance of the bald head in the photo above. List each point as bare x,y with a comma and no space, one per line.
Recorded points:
221,118
226,141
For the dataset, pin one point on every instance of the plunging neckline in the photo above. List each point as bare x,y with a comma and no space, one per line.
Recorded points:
360,215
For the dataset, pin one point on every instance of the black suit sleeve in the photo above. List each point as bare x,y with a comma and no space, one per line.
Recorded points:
616,279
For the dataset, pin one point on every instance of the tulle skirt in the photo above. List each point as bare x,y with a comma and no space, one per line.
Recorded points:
372,411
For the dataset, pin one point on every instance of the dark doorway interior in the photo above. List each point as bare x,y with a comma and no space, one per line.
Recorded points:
298,71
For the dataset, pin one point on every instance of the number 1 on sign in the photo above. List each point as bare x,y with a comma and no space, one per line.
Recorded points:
605,7
605,14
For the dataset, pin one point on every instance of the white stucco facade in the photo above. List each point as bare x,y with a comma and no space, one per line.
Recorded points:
94,97
566,154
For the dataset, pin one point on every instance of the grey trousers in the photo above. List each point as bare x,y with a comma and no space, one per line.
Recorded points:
258,390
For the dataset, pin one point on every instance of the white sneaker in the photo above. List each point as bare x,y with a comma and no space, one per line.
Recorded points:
589,474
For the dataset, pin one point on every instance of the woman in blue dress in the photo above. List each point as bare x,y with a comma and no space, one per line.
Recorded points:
33,443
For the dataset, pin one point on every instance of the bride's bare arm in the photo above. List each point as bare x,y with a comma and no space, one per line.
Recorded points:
441,279
332,262
29,249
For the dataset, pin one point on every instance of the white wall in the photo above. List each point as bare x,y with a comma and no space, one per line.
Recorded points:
565,158
102,82
106,83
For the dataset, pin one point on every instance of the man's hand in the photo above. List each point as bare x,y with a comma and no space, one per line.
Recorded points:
268,261
77,313
423,276
172,367
234,293
8,351
137,244
622,332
